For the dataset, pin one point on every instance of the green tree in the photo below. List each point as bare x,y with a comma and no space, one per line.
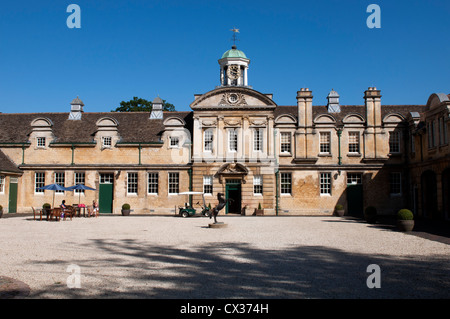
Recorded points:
141,105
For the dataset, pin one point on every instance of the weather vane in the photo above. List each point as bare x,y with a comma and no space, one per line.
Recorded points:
234,30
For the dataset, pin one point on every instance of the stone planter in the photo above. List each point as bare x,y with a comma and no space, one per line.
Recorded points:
258,212
126,212
405,225
340,212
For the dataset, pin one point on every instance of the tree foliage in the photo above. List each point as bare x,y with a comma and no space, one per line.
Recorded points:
141,105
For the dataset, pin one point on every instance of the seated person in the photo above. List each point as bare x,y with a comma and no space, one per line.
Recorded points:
63,207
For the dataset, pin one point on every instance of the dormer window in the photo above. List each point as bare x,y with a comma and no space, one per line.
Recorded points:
174,141
106,141
40,142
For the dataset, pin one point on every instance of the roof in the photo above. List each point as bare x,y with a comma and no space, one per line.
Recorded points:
404,110
7,165
234,53
133,127
77,101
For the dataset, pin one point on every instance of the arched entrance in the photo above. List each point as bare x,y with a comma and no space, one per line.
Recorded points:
446,193
232,176
429,195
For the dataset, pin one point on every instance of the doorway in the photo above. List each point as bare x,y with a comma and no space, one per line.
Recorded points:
12,204
429,195
233,192
106,193
355,194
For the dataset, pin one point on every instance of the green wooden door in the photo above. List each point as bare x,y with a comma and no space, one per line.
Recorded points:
12,206
105,199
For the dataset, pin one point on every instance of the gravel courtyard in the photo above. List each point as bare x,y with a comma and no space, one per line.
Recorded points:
254,257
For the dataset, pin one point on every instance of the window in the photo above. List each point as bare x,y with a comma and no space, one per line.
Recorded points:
2,184
233,140
132,183
152,183
258,139
174,141
394,142
79,179
106,178
174,183
208,184
106,141
325,183
285,142
40,141
354,178
395,183
257,185
60,180
39,181
286,183
413,142
325,142
208,139
431,134
353,142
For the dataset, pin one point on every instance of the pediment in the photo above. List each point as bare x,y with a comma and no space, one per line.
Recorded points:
325,119
353,119
233,98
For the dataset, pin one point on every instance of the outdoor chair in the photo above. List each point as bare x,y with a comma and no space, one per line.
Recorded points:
35,212
68,211
55,212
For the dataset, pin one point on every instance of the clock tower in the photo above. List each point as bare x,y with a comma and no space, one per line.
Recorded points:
233,68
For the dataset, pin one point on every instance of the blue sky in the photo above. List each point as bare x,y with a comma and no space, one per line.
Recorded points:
170,48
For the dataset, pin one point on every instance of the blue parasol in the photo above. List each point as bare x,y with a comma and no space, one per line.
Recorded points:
54,187
80,186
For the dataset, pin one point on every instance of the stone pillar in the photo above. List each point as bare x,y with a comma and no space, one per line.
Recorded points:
372,135
197,150
304,126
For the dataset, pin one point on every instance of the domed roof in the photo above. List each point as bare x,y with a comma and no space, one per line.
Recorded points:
77,101
234,53
333,93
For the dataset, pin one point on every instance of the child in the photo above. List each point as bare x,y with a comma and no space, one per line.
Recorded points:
95,208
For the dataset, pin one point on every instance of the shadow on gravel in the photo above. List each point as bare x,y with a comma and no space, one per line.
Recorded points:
238,270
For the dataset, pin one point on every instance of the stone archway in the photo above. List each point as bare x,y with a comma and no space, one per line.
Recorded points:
429,195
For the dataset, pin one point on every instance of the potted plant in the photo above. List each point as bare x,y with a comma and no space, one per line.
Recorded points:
46,209
126,209
259,211
370,215
405,220
339,209
1,211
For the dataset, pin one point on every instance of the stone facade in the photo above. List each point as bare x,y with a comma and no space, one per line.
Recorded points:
301,159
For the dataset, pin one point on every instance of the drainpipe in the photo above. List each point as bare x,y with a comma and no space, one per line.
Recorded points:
140,148
339,133
73,151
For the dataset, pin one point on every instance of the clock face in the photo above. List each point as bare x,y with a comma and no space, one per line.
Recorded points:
234,71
